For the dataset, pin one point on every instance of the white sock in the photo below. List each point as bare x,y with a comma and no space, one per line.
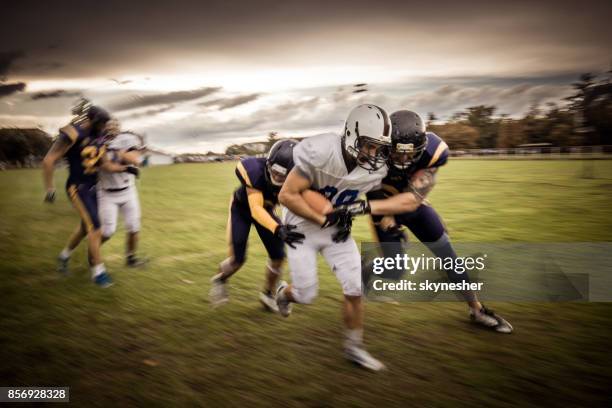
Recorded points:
354,337
66,253
97,270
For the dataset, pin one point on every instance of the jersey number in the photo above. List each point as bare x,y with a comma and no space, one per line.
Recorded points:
345,197
91,155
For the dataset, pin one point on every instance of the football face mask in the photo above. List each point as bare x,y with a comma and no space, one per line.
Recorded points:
371,154
278,174
404,154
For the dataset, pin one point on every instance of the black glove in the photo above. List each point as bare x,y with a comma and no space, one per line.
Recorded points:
359,207
50,196
133,170
337,217
290,237
344,231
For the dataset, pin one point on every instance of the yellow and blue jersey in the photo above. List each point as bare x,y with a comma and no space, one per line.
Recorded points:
251,172
84,156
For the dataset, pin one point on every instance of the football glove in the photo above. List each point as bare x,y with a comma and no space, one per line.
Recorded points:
290,237
344,231
50,196
133,170
337,217
359,207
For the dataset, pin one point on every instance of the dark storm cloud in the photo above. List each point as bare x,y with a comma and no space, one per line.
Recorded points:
7,59
57,93
153,35
9,89
147,113
227,103
142,101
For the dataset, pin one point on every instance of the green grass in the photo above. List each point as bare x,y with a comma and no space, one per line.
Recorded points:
153,340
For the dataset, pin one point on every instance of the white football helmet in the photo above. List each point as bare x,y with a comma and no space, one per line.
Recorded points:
367,136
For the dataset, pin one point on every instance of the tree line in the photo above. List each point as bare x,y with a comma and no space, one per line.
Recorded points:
582,119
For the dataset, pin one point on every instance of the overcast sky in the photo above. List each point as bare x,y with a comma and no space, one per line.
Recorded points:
200,75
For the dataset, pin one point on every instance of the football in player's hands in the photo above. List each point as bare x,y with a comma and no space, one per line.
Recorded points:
317,202
290,237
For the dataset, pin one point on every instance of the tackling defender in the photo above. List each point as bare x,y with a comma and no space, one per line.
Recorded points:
253,203
82,144
117,191
341,167
415,158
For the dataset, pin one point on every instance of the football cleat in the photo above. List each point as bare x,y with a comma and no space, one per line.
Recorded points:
134,262
268,301
282,303
62,265
103,280
490,320
362,358
218,292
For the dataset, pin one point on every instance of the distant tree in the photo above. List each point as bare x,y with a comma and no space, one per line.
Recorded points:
431,119
511,133
272,138
457,135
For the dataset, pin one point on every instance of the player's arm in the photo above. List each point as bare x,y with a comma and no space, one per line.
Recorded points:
114,167
129,157
258,212
58,149
291,197
408,201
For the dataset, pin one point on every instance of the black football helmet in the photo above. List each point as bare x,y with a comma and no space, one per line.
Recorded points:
280,161
408,139
98,118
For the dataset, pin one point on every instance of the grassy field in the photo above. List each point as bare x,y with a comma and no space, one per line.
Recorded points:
153,339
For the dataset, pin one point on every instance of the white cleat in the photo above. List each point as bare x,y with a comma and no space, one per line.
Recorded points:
362,358
268,301
282,303
490,320
218,292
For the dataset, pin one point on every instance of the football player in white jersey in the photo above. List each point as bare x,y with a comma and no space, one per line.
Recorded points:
342,167
117,191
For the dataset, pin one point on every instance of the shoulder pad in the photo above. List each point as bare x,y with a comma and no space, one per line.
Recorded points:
436,153
251,172
71,131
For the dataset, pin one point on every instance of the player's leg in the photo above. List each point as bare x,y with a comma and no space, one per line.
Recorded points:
84,199
427,226
276,257
109,211
302,262
131,218
75,239
387,242
344,259
238,226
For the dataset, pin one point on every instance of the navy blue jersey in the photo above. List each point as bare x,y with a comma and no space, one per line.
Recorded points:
252,173
84,156
435,155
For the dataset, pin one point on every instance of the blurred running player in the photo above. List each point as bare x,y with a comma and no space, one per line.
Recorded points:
117,191
253,203
415,158
82,144
340,166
